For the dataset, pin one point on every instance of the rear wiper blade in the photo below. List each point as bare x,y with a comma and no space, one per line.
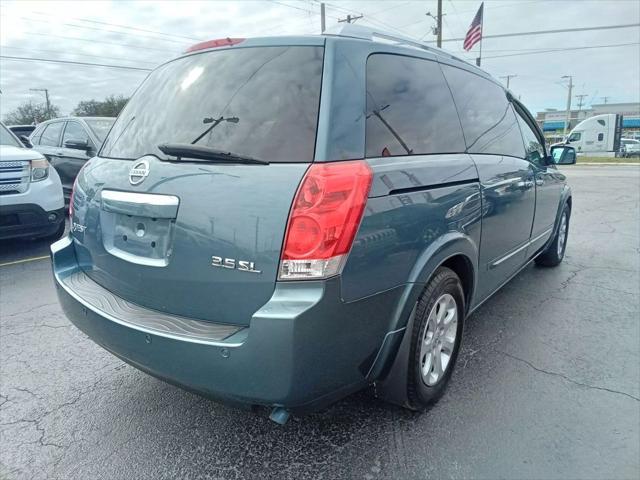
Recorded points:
198,152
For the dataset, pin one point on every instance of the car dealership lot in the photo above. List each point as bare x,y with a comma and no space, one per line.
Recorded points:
547,384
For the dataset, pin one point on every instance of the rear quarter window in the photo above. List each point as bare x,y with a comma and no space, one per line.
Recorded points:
488,121
410,110
260,102
51,134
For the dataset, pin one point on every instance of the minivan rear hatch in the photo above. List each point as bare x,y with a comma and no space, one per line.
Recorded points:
193,234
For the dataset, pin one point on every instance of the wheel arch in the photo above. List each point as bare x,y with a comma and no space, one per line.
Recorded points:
390,370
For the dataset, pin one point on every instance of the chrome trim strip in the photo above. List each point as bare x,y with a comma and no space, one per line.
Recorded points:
124,323
518,250
140,198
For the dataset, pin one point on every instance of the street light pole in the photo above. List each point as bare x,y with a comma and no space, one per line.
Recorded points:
568,117
46,96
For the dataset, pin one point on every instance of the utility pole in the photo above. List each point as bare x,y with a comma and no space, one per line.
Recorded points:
566,123
509,77
46,96
350,18
437,30
322,21
580,100
605,99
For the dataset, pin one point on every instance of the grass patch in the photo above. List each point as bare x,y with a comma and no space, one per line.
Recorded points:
611,160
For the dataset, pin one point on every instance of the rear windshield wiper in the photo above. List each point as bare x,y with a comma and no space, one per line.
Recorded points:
208,154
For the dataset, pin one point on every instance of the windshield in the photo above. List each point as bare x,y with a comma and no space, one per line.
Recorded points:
100,126
7,138
259,102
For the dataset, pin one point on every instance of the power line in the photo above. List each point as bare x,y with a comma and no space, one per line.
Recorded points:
91,40
96,29
564,50
544,32
126,26
36,50
69,62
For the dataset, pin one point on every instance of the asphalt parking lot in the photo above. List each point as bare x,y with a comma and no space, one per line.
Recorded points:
547,385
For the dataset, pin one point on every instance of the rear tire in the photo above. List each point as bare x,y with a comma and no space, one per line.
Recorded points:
435,338
554,253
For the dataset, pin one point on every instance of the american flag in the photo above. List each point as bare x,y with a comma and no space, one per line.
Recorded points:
474,35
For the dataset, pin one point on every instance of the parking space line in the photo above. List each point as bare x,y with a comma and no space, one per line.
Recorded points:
24,260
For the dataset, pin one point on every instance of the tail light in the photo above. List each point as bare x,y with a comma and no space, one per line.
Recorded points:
73,189
324,219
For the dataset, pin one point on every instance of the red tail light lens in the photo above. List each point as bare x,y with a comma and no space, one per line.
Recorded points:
220,42
73,192
324,219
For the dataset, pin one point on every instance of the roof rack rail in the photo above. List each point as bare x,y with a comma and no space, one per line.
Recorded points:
367,33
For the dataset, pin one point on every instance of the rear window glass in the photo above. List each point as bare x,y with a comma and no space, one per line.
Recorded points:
51,135
488,121
7,139
100,126
260,102
410,110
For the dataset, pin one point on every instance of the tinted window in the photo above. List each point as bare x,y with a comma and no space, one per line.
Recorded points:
600,137
260,102
100,126
409,108
534,151
75,131
35,136
488,121
6,138
51,134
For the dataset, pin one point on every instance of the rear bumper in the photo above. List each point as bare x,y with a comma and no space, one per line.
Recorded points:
29,220
302,350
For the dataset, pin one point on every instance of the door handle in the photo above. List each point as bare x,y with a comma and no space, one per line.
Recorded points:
526,185
539,182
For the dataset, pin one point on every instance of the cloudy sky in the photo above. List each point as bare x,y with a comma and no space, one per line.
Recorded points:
140,35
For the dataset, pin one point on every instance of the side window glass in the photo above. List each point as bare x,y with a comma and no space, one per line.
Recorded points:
35,136
51,134
534,151
74,131
574,137
600,137
410,110
488,121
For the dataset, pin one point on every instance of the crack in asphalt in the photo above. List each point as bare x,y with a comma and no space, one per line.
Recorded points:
24,312
568,379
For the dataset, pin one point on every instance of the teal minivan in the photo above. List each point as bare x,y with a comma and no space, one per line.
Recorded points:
284,221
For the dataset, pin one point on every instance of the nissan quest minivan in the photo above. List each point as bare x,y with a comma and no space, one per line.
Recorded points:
284,221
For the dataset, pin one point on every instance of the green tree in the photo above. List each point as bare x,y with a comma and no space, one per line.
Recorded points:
109,107
30,113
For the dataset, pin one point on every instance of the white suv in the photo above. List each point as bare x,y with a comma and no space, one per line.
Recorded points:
31,201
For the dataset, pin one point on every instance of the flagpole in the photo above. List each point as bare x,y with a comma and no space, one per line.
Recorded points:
479,59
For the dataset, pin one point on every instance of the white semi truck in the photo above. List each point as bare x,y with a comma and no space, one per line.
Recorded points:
597,136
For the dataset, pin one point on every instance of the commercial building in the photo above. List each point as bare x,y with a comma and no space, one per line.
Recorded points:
552,121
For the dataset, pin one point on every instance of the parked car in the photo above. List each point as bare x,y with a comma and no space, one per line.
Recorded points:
69,142
319,215
22,132
31,203
630,147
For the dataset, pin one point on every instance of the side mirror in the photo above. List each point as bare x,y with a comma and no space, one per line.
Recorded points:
563,155
77,144
25,141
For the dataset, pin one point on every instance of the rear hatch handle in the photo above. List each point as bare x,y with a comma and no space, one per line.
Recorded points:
140,204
